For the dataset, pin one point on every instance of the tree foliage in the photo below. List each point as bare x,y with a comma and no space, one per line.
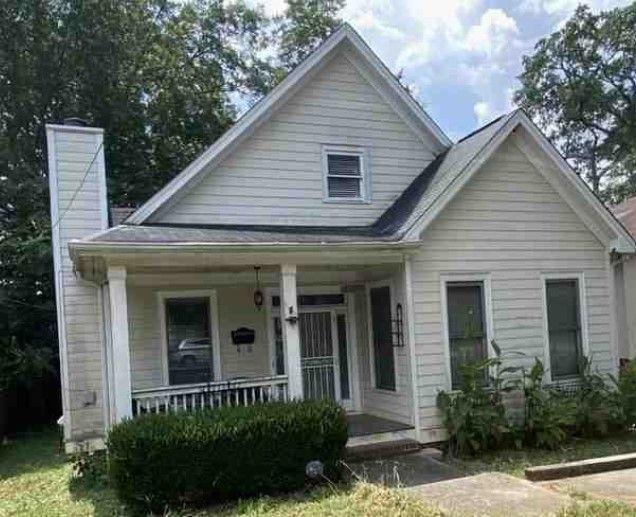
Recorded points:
164,79
580,85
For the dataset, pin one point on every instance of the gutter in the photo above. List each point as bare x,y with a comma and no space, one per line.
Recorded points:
86,248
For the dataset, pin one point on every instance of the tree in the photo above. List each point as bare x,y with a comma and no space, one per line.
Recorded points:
304,26
161,77
580,86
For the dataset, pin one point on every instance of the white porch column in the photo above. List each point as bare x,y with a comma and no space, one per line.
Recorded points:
121,352
289,326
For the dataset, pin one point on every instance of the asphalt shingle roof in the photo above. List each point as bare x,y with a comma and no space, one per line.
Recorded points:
390,226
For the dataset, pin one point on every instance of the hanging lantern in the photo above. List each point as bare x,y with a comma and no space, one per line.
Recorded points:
258,294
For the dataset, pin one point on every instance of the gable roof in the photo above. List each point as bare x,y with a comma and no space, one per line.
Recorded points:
266,107
403,221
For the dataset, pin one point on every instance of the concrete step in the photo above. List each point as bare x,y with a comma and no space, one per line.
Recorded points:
382,450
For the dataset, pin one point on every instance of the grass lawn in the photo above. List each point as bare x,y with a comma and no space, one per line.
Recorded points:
514,462
36,480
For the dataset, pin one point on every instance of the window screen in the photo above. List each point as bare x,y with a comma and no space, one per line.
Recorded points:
382,338
466,327
344,176
564,327
189,343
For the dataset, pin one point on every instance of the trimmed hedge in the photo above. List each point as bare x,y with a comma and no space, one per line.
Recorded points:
157,461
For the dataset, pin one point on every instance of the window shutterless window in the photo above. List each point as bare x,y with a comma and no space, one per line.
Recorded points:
381,329
563,311
190,357
467,337
344,175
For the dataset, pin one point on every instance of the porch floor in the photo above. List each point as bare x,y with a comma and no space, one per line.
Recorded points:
364,425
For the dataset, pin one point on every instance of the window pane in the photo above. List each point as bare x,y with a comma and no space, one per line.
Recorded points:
189,344
382,338
466,327
343,165
342,355
564,329
343,187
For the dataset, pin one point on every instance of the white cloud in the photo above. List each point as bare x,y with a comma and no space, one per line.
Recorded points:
456,52
483,112
492,34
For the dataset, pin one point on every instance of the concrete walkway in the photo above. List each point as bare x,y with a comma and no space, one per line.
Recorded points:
493,494
617,484
405,471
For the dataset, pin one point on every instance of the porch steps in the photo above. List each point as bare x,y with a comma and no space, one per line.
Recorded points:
382,450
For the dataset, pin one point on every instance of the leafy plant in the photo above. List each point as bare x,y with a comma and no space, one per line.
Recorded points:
626,385
475,416
549,415
598,404
158,461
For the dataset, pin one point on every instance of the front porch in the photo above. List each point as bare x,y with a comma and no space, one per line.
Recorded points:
222,337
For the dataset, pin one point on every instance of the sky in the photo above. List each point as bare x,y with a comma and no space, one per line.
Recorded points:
460,57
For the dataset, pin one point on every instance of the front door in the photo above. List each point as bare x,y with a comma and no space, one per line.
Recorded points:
323,354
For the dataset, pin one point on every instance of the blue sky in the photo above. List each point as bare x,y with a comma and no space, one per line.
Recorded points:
461,57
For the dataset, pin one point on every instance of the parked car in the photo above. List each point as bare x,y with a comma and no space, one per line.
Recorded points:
193,350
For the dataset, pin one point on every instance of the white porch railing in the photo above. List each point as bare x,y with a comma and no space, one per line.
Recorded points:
190,397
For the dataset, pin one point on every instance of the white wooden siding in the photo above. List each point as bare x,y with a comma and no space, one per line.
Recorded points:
276,176
383,403
77,214
510,223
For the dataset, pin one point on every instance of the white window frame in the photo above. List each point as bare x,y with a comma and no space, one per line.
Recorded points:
365,191
580,278
215,335
451,278
368,286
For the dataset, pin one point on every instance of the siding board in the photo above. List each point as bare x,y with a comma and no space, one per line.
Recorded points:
510,223
276,176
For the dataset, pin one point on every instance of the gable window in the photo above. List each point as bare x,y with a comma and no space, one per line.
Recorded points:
564,329
467,336
345,175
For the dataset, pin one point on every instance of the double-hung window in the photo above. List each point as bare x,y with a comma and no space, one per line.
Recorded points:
565,337
345,175
467,335
190,357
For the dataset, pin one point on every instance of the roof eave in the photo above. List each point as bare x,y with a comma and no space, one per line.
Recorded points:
86,248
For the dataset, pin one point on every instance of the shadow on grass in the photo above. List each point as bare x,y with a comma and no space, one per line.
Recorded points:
30,452
99,494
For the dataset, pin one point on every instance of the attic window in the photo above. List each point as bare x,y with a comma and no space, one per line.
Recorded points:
345,175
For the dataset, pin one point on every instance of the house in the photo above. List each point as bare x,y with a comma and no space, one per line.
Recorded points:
625,269
333,243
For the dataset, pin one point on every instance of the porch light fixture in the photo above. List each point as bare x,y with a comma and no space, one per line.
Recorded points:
398,327
258,294
292,318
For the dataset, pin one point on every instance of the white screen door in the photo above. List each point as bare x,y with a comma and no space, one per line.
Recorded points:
323,354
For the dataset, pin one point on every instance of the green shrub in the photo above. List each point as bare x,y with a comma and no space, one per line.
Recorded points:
598,404
157,461
475,416
549,415
626,385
